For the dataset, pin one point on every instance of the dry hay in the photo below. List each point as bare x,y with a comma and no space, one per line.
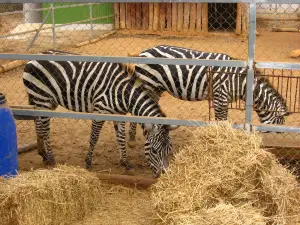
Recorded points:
223,177
57,196
70,195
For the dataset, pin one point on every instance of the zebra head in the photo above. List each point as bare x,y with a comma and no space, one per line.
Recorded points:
158,146
269,103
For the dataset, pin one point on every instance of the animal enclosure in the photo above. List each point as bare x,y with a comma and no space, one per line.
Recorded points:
110,32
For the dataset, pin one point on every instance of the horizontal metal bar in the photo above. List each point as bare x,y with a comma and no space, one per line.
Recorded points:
277,65
117,59
112,117
276,128
140,119
166,1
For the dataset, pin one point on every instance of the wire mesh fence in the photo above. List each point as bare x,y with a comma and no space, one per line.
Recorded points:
175,93
215,31
41,26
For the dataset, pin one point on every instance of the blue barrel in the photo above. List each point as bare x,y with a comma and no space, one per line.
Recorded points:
8,140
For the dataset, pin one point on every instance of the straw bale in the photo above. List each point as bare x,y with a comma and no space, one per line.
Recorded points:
221,165
223,214
57,196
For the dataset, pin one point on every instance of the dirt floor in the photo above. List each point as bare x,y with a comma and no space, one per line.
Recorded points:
70,137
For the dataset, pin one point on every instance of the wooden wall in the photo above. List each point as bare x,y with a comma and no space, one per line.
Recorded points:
172,17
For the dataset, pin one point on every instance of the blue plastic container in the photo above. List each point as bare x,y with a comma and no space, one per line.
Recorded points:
8,141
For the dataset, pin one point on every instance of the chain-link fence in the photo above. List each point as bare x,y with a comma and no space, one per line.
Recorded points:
213,45
33,27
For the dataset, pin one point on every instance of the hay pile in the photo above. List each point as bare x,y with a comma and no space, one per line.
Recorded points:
58,196
223,177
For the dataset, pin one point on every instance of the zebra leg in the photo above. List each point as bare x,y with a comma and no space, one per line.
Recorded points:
42,127
120,135
95,133
220,109
132,134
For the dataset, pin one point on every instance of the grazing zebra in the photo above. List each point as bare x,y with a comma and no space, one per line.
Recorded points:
190,83
96,87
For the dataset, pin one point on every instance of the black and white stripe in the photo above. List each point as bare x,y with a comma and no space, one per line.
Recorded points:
95,87
191,82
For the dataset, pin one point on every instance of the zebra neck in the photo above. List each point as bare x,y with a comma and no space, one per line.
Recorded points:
141,103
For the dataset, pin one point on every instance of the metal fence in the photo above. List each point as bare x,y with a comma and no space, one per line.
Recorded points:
259,35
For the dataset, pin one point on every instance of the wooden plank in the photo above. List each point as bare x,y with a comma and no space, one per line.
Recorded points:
93,40
162,16
150,27
27,148
155,16
12,65
138,13
174,16
193,17
186,16
238,27
179,16
199,14
133,7
122,15
145,8
117,15
169,16
128,15
205,17
166,33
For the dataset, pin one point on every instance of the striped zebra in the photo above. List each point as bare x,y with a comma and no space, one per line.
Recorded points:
97,87
190,83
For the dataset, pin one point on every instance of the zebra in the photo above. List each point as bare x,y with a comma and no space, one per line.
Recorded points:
98,87
191,83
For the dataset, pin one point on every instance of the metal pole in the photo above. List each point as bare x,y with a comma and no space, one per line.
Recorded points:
276,14
250,72
53,26
91,19
38,31
32,14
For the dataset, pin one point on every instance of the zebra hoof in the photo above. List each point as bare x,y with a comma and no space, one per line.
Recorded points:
88,167
131,144
126,164
49,162
88,164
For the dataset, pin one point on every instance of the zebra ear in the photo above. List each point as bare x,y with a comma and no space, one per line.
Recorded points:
172,127
135,54
129,68
148,127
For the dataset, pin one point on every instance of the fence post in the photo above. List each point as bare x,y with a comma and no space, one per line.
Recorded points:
91,20
53,26
250,71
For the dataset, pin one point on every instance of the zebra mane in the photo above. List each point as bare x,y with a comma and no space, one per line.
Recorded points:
260,78
58,52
